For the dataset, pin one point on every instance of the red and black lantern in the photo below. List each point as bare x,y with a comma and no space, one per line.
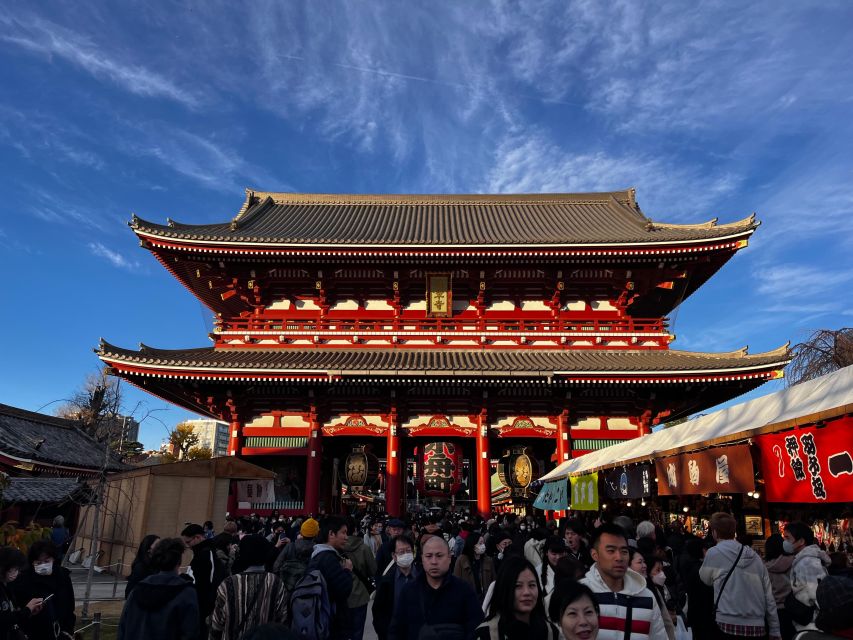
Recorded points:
441,469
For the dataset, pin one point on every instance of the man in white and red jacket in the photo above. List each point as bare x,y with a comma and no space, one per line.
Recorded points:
629,611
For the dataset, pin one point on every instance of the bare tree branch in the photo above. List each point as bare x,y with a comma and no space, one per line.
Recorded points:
825,351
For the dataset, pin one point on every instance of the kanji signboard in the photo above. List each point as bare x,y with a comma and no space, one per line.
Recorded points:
809,465
718,470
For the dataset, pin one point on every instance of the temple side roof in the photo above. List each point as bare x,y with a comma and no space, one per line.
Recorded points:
37,437
449,362
43,490
552,219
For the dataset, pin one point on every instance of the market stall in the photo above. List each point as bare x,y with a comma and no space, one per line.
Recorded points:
784,456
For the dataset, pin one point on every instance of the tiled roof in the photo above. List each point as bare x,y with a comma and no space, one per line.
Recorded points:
42,489
360,362
293,219
38,437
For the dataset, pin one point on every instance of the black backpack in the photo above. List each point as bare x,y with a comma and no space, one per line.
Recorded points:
310,608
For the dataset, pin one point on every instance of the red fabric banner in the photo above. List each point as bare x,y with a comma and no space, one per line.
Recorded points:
809,465
718,470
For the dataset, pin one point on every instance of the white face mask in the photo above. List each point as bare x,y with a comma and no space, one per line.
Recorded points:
405,560
500,555
659,579
479,549
43,568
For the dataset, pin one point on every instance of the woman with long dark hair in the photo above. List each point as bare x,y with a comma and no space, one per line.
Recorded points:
553,551
656,583
517,610
142,566
474,566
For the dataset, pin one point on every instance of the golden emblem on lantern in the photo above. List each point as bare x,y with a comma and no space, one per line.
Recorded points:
515,470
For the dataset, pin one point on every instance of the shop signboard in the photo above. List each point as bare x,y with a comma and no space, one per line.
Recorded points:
553,496
255,491
629,483
584,492
808,465
717,470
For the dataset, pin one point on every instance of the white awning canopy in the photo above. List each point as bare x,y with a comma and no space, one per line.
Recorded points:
806,400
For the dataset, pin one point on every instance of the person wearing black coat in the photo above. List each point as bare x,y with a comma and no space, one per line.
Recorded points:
435,597
164,605
141,567
11,617
45,577
207,571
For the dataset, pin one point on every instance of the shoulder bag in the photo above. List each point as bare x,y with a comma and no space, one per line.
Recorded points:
728,575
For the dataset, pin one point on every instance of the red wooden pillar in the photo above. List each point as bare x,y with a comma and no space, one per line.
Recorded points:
235,438
315,457
483,466
393,481
562,436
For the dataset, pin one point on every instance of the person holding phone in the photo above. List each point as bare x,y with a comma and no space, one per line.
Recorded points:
44,578
11,617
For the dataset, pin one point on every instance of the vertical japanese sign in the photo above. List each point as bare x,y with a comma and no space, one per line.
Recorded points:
809,465
584,492
718,470
439,302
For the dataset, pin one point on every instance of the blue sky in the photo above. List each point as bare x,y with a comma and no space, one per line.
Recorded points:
172,109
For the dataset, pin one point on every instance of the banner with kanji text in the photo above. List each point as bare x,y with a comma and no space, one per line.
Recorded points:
717,470
254,491
809,465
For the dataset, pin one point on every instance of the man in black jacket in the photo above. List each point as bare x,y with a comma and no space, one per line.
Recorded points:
391,583
164,605
337,571
435,597
207,571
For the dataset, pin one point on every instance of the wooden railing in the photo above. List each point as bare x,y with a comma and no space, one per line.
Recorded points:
432,325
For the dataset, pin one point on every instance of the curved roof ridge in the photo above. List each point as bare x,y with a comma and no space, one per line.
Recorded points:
710,224
743,352
282,197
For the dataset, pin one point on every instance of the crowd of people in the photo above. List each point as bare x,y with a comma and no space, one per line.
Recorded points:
451,576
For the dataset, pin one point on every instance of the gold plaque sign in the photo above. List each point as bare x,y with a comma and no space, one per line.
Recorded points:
439,294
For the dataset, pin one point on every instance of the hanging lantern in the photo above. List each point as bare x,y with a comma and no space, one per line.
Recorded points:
515,470
361,468
441,474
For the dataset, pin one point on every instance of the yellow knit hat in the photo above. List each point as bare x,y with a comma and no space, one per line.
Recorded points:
310,528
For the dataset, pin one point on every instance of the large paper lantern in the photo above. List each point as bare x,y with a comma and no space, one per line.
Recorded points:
515,469
361,468
441,469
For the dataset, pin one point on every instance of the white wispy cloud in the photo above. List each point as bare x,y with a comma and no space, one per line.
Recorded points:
801,281
529,162
213,165
113,257
39,35
35,135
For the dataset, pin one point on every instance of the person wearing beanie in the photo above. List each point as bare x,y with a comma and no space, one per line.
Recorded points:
292,561
309,529
249,599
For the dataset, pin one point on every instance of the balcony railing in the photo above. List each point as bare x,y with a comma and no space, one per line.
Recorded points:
397,325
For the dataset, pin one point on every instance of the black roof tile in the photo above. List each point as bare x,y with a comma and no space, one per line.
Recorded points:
35,436
521,362
451,220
